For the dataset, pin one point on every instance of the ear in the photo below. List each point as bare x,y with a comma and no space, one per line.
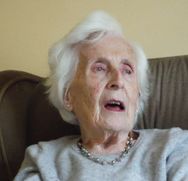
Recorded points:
67,101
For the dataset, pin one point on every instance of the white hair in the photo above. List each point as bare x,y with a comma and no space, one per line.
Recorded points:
64,58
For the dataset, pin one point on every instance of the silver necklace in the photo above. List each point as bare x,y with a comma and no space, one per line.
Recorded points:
90,156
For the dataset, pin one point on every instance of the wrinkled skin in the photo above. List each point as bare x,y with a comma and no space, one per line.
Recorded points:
106,71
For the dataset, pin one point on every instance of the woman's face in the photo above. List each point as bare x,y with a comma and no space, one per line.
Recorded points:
104,92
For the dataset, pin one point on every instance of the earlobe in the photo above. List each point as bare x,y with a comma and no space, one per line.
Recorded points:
67,101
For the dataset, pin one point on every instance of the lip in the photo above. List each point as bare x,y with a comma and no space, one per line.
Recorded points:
115,108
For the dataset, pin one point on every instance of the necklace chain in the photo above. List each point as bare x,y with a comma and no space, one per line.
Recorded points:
90,156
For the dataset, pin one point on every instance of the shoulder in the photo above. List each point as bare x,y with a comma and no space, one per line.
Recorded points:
51,148
169,130
167,149
172,133
43,158
168,139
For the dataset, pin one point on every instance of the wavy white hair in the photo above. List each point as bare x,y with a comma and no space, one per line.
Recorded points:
64,58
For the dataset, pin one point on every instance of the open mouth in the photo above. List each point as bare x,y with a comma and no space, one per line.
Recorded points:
114,105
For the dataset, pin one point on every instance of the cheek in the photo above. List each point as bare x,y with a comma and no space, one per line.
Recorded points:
94,86
96,83
96,90
83,97
133,93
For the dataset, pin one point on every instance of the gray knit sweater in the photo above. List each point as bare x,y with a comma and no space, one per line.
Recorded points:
157,155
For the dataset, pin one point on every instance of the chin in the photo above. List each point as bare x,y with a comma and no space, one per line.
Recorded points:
118,125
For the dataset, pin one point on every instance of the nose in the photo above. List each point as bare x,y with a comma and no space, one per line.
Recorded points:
116,81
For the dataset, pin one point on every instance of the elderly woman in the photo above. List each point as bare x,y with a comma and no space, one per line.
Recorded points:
99,81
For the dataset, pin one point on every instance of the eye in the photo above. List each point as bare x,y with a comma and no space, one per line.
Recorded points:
127,69
99,67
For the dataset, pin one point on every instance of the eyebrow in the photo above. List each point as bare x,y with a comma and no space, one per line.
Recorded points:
105,60
102,60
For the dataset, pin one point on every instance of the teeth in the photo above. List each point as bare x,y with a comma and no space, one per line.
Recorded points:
115,102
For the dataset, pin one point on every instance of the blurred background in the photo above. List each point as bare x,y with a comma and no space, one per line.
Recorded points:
29,27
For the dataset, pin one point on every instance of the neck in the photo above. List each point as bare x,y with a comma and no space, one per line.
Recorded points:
105,142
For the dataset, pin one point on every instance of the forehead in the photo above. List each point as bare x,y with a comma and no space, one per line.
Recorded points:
110,47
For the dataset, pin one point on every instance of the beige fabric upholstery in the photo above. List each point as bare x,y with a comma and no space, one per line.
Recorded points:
26,116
